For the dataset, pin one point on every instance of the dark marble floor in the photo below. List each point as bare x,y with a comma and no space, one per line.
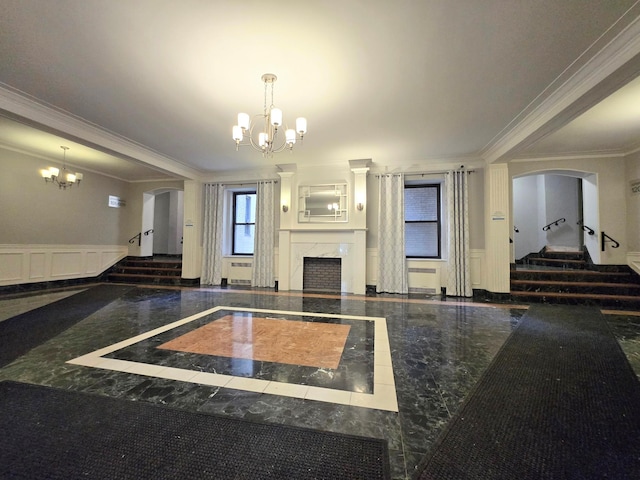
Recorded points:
438,351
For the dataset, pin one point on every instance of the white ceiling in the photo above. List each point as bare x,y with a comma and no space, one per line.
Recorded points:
411,82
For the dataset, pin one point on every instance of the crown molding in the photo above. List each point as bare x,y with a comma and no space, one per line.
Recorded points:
40,115
615,62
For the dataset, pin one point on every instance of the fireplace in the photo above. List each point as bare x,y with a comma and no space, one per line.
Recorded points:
348,246
322,274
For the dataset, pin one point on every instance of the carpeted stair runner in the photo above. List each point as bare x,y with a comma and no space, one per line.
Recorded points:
59,434
23,332
559,401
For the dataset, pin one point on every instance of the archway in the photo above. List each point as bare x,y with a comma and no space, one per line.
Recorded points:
557,209
162,222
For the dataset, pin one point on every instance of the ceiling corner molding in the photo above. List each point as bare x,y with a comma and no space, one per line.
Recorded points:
25,107
616,63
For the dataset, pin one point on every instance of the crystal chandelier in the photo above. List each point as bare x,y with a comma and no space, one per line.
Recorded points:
64,180
269,121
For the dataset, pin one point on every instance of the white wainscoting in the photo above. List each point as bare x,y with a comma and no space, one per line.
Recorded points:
429,274
46,263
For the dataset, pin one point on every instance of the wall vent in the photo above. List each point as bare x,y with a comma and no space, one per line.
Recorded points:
421,270
425,291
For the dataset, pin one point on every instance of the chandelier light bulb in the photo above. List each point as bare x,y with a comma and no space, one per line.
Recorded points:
301,125
243,121
290,136
262,140
237,132
276,117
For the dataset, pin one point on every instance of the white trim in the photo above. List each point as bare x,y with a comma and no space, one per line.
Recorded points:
18,103
572,88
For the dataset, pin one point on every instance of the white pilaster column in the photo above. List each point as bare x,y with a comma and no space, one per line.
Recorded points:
359,168
497,228
288,202
359,196
192,234
286,197
284,260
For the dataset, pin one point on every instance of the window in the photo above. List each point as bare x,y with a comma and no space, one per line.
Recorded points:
244,222
422,223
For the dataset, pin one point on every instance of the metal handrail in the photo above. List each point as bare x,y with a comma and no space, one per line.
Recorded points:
589,230
603,237
556,223
138,236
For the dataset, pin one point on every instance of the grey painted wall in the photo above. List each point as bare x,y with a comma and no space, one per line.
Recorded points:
32,212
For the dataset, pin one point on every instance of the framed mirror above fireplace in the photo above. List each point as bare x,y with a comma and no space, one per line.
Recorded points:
323,203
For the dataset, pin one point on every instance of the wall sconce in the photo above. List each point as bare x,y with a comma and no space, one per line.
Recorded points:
285,208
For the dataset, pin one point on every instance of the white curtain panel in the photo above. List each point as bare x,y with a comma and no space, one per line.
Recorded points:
459,278
262,275
392,265
212,234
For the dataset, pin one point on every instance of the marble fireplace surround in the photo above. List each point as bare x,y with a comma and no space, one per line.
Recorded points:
348,245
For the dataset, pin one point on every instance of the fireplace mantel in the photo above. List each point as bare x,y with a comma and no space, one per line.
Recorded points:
347,244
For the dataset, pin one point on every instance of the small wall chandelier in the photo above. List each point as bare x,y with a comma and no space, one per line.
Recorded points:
64,180
267,140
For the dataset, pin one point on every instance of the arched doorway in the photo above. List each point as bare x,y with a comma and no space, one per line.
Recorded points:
551,209
162,222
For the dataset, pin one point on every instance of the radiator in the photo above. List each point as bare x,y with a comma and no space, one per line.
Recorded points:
240,273
424,280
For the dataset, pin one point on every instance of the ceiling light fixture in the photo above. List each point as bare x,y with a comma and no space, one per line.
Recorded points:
67,179
267,140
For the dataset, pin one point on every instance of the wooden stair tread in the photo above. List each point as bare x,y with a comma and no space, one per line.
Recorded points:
557,260
142,275
571,272
582,284
593,296
154,269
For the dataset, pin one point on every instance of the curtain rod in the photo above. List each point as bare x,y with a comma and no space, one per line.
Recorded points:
422,174
241,184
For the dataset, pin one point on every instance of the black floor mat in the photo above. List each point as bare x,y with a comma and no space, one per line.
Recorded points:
23,332
59,434
559,401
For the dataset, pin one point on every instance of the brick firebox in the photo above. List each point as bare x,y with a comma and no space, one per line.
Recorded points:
322,274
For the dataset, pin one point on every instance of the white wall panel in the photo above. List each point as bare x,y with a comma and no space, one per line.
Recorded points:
41,263
37,266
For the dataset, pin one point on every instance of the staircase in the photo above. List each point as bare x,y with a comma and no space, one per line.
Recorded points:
161,270
568,278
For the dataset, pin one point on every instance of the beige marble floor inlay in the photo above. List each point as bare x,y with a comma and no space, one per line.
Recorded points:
311,344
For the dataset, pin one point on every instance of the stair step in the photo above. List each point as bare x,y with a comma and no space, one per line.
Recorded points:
577,284
587,287
627,301
574,276
149,264
146,279
572,261
129,268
